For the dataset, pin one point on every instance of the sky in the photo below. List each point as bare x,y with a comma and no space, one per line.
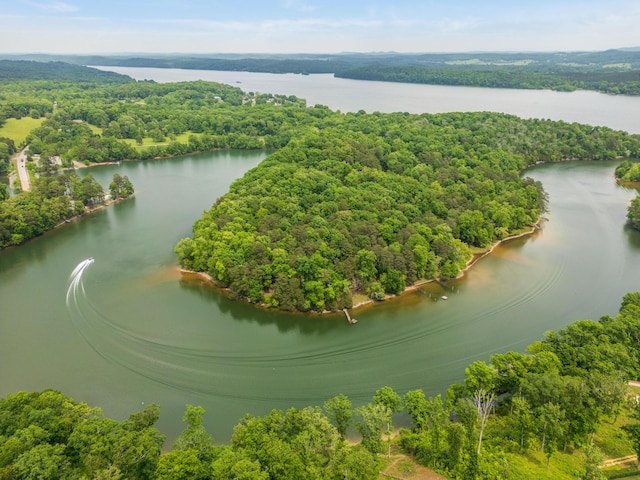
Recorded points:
315,26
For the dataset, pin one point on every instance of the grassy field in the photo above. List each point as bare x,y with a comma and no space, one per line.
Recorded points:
95,129
17,130
628,472
148,142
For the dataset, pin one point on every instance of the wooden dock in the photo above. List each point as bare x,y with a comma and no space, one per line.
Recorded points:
349,319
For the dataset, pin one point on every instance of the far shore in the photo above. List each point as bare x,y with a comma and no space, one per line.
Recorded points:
474,258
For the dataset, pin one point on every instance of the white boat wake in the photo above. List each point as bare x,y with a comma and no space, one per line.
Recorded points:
75,279
158,355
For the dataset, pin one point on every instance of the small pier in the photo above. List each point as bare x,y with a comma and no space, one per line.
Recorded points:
349,319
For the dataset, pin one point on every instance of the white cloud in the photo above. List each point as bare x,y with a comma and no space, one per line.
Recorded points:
54,7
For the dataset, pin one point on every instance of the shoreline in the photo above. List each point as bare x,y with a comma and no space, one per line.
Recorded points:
88,211
474,258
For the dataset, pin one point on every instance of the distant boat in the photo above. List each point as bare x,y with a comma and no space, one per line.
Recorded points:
444,297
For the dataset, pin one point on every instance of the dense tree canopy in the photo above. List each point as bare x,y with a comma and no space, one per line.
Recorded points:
12,70
373,203
628,171
51,201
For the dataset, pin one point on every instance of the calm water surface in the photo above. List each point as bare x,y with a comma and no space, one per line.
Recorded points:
134,332
618,112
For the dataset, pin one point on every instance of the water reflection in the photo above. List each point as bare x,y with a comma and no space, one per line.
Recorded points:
633,237
306,324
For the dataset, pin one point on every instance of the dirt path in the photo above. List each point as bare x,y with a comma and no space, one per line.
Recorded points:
617,461
403,468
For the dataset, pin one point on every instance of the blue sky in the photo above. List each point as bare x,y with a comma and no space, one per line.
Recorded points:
315,26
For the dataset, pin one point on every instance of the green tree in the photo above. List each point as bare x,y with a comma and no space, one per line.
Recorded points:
182,465
550,429
120,187
372,420
366,265
633,432
522,423
43,461
416,405
594,459
339,412
349,462
195,437
387,397
237,465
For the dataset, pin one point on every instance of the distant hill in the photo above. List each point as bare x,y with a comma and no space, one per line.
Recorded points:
615,71
11,70
621,59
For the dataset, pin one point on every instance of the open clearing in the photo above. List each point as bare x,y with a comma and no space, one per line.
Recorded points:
17,130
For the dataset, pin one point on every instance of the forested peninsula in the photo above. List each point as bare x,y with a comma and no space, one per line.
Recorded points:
364,205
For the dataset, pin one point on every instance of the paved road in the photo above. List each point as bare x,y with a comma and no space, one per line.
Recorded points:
21,167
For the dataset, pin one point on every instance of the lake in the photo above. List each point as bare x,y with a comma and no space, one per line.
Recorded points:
134,332
615,111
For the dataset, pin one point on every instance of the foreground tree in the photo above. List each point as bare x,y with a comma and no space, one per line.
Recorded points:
480,383
594,459
373,418
195,437
339,412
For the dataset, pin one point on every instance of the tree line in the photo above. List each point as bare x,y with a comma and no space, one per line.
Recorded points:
15,70
51,201
553,398
559,79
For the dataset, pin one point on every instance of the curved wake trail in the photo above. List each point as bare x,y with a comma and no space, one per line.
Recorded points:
211,369
75,279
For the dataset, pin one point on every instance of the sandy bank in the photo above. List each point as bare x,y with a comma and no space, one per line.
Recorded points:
474,258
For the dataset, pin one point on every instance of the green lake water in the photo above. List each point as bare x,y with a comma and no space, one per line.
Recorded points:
134,331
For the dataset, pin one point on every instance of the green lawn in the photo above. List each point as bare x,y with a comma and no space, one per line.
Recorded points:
148,142
95,129
628,472
567,466
17,130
